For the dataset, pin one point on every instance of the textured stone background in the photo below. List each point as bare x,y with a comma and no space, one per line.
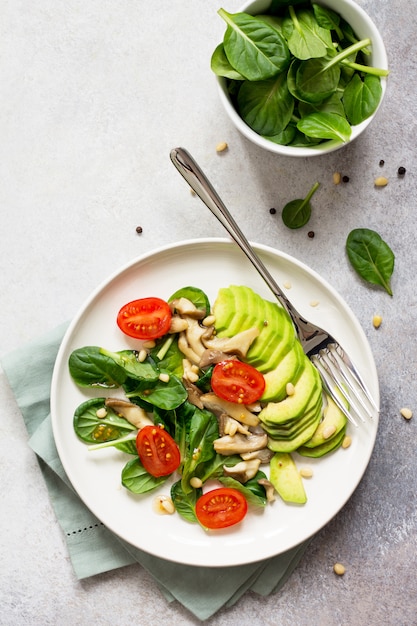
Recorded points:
94,96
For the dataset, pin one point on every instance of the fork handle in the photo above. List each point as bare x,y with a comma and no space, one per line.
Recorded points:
198,181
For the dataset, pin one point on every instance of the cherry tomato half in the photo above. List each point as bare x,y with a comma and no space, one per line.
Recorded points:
147,318
221,508
238,382
158,452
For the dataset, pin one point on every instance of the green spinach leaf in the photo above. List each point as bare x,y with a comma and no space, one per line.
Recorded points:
325,126
306,38
137,480
328,19
195,295
185,502
371,257
266,106
252,490
297,212
255,49
165,395
220,65
361,97
90,368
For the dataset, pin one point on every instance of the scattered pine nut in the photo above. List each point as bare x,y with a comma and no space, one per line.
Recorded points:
381,181
406,413
314,303
346,441
306,472
100,413
377,321
164,377
290,389
287,284
196,482
163,505
221,147
337,177
329,431
339,569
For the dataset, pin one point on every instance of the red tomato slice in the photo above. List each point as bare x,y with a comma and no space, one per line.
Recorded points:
157,450
221,508
147,318
238,382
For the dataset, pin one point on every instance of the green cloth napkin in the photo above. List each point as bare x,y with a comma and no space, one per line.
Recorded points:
93,549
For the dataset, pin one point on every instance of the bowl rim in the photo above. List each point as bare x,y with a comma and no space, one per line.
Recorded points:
363,26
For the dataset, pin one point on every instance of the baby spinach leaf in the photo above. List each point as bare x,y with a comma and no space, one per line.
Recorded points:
333,104
137,480
266,106
203,431
89,367
255,49
165,395
361,97
328,19
185,502
220,65
297,212
254,492
307,39
316,79
284,137
371,257
128,360
325,126
92,429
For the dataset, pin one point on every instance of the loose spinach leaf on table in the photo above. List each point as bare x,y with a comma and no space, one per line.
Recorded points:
371,257
296,213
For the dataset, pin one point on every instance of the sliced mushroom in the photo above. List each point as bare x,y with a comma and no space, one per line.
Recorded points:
238,411
238,344
194,335
178,324
264,455
187,351
243,471
269,488
239,444
230,426
132,412
186,308
194,393
211,357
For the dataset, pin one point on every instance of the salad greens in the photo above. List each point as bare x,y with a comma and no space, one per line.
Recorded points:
286,70
371,257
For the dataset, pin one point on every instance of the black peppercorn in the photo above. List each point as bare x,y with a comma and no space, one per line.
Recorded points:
382,162
139,229
345,179
272,211
311,234
401,171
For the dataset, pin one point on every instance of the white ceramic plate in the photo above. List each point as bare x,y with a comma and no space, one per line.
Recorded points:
208,264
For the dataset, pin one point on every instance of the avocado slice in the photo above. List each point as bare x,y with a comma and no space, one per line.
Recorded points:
293,407
276,339
330,445
288,370
223,310
290,445
293,428
333,417
286,479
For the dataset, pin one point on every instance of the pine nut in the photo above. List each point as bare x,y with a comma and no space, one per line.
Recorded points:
196,482
346,441
306,472
339,569
287,284
337,178
381,181
377,321
290,389
100,413
142,355
329,431
163,505
314,303
164,377
406,413
221,147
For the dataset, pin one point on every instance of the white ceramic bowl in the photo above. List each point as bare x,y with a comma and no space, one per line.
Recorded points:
364,27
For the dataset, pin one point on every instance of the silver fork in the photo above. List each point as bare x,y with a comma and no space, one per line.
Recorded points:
340,377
